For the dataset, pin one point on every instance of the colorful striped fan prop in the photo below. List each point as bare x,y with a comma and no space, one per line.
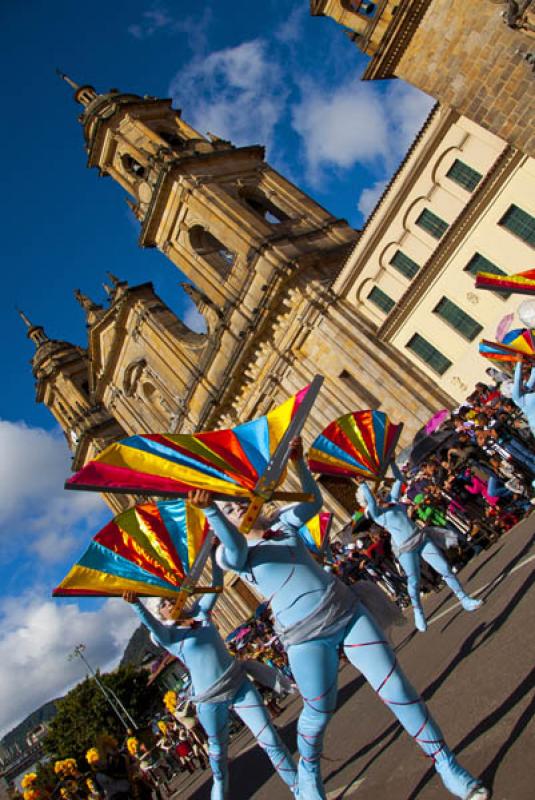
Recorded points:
315,533
153,549
521,283
517,345
247,461
360,444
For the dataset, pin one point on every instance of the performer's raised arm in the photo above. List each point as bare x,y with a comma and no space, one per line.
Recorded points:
206,603
163,634
369,499
232,540
300,514
518,388
530,383
395,492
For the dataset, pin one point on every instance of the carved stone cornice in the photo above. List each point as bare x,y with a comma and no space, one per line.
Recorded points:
409,14
508,160
92,417
98,436
182,164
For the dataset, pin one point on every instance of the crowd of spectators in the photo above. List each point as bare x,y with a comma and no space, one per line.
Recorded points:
472,474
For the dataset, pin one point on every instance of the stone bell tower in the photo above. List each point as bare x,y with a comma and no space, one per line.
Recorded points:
240,231
219,212
62,385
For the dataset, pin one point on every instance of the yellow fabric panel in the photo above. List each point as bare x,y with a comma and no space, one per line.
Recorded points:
198,448
278,421
195,524
323,457
313,526
140,532
349,426
162,554
521,345
119,455
85,578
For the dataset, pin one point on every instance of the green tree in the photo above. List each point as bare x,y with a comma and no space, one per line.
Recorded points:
46,778
84,714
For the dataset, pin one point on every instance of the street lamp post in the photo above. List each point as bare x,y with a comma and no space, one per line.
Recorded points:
111,698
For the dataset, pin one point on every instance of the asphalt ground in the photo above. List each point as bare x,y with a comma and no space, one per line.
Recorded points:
475,670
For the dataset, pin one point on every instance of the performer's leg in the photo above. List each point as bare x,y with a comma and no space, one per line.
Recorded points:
248,705
214,719
431,553
315,669
410,563
368,649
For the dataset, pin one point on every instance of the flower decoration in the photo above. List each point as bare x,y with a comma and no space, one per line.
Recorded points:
66,768
28,780
31,794
132,745
170,700
162,726
92,756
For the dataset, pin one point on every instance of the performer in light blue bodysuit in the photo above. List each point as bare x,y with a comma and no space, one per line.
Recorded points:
315,614
409,544
219,683
523,395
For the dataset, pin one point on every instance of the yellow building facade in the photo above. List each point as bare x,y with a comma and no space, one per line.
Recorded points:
262,258
461,201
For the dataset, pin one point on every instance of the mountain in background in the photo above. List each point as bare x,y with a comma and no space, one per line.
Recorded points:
17,736
140,648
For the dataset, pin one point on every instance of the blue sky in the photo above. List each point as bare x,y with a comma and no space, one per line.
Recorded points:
279,78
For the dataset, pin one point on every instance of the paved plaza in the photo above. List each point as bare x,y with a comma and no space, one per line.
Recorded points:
477,672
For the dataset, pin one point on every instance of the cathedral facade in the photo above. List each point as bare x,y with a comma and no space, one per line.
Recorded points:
262,258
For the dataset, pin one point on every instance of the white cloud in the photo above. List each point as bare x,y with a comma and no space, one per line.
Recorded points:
369,197
158,20
237,93
34,507
153,21
35,639
290,30
408,108
356,123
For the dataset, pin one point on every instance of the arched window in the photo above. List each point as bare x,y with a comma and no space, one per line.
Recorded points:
149,392
174,141
210,248
365,8
264,207
132,166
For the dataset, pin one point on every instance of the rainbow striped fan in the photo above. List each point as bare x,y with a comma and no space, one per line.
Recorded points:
357,444
521,283
517,345
244,461
315,533
152,549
